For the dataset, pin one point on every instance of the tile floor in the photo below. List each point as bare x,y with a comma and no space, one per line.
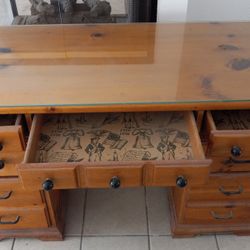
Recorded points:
125,219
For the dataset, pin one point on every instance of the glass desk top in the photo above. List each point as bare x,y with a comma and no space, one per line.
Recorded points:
124,66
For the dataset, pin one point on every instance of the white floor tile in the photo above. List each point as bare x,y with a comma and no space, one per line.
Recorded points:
34,244
6,244
115,212
74,213
158,211
232,242
115,243
196,243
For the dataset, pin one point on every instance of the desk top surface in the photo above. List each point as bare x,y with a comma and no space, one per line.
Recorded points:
78,68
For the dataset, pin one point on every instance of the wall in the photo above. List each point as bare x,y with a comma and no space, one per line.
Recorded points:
203,10
218,10
5,13
172,10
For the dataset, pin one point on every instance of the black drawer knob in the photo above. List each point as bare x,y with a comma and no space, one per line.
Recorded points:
1,146
236,151
181,182
115,182
48,185
1,164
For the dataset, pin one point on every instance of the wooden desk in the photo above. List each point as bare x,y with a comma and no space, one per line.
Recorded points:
86,86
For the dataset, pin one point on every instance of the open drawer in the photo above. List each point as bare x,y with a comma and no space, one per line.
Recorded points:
113,150
228,140
12,144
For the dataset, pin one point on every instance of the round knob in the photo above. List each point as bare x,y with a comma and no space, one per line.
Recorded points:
1,164
236,151
115,182
1,146
181,182
48,185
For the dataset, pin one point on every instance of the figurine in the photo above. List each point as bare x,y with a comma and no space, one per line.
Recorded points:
66,11
39,7
98,8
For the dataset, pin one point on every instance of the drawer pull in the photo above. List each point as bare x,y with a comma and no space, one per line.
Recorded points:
6,195
228,216
1,146
48,185
236,151
9,222
1,164
231,161
229,193
115,182
181,182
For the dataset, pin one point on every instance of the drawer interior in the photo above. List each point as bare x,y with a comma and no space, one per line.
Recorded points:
231,119
113,137
8,120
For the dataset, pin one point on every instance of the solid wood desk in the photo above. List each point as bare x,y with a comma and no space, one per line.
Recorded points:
96,91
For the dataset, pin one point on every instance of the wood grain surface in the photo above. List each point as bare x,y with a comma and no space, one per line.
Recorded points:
132,67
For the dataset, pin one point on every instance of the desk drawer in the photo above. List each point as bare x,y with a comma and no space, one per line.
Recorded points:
228,140
11,134
215,215
23,218
88,150
12,194
9,160
222,190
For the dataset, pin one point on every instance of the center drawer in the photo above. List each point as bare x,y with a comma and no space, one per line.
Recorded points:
228,140
113,150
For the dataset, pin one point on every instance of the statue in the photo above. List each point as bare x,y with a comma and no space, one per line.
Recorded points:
39,7
41,13
98,8
66,11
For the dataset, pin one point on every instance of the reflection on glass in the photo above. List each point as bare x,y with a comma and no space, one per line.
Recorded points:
30,12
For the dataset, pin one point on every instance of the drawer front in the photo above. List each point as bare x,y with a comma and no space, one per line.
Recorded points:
19,198
35,176
12,194
223,194
216,215
9,161
228,164
222,142
105,177
11,139
23,218
75,176
220,190
194,174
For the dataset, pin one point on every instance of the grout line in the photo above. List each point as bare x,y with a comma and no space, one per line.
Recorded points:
147,219
110,235
83,216
125,235
217,243
13,243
